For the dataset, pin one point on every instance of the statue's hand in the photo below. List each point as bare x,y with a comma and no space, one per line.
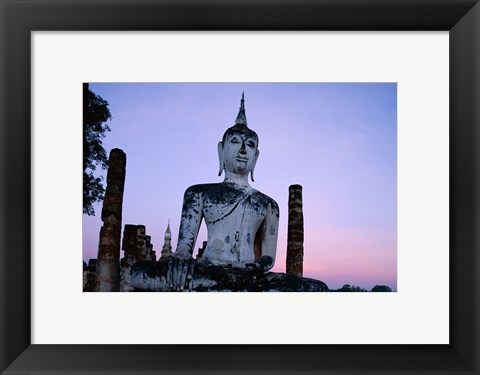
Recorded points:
182,253
253,269
180,270
263,264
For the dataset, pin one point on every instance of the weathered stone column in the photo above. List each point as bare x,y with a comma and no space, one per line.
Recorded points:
201,250
136,243
153,254
90,275
129,247
129,243
295,231
108,260
141,243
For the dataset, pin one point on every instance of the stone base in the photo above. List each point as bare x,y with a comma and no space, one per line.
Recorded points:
151,276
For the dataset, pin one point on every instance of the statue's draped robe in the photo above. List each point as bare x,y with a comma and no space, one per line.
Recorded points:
235,218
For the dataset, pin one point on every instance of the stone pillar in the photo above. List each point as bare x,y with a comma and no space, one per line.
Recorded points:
90,275
129,243
149,247
136,245
295,232
108,260
201,250
142,250
150,251
129,247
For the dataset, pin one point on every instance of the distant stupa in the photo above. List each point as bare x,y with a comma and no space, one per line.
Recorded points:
167,245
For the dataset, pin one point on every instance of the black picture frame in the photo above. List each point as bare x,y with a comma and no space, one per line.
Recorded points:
18,18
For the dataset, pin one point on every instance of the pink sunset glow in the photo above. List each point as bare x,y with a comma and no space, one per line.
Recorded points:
337,140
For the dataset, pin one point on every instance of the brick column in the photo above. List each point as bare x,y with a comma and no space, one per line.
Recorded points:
108,260
295,231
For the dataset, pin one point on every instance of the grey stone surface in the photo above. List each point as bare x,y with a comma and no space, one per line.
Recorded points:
148,276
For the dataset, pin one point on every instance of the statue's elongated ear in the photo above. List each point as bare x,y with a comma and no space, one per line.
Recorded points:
220,158
254,163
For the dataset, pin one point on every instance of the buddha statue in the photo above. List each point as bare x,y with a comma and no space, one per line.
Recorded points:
242,222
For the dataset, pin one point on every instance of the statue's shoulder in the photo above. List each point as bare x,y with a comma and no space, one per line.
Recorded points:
265,198
202,188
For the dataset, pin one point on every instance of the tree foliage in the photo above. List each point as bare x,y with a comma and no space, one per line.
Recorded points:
350,288
381,288
95,116
354,288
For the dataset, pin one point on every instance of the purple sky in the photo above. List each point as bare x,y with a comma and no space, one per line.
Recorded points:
337,140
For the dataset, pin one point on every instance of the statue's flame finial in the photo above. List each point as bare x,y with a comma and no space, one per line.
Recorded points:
241,117
240,126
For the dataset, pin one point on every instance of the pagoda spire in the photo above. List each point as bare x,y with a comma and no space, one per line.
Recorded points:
167,245
241,117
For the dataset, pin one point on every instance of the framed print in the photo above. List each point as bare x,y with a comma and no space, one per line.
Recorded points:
28,345
367,150
428,325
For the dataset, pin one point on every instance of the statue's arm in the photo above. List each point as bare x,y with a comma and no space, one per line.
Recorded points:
270,235
190,221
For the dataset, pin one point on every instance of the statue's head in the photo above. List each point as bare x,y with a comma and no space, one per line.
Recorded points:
238,151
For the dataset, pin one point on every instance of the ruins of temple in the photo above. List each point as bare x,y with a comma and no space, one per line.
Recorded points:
89,275
242,225
137,247
136,244
119,274
201,250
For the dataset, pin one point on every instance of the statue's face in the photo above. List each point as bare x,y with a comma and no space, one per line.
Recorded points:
240,153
